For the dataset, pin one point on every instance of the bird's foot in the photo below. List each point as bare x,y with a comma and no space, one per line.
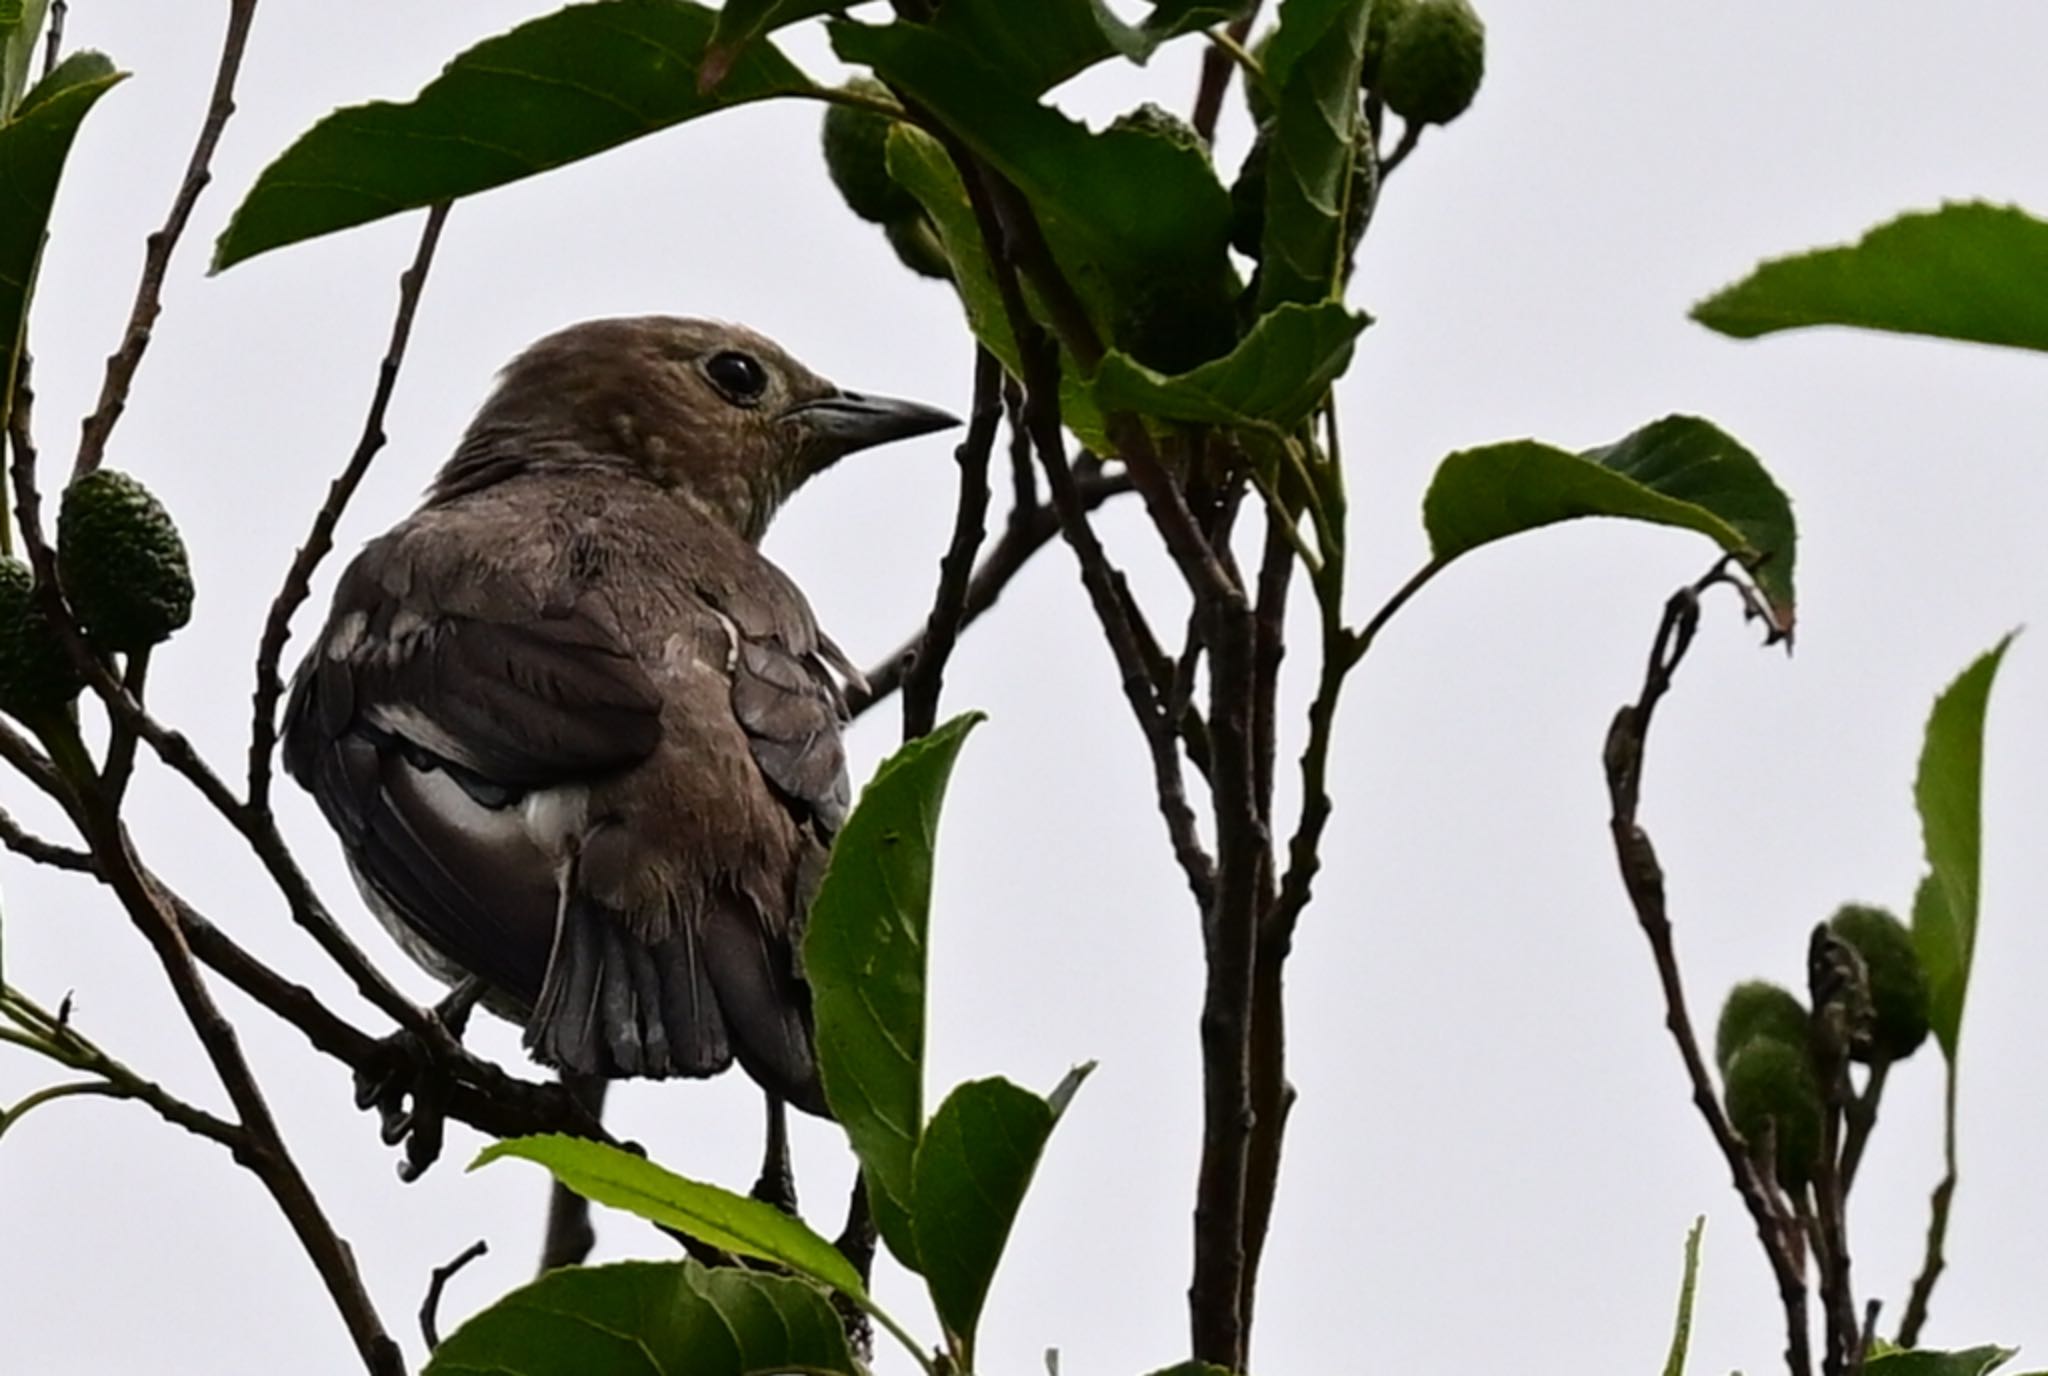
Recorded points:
400,1082
776,1186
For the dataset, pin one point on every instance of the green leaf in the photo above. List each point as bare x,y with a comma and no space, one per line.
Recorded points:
1312,68
1970,271
1949,792
1681,1330
973,1166
864,954
33,147
21,26
1274,379
1193,1369
746,1227
740,22
919,164
1973,1362
1136,223
1679,471
1048,41
647,1318
548,93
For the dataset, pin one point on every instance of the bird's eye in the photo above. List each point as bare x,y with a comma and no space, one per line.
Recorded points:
741,378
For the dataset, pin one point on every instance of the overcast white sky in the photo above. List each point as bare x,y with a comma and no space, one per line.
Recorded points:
1494,1160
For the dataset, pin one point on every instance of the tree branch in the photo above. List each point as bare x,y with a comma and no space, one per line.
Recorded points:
156,258
1217,65
298,580
927,670
1934,1261
1643,877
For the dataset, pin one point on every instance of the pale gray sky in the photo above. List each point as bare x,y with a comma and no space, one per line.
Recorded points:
1494,1160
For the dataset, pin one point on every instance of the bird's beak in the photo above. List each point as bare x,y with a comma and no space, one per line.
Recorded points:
847,421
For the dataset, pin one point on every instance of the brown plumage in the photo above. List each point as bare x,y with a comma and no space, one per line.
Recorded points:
578,737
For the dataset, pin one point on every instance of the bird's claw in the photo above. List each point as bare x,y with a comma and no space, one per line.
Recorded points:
401,1083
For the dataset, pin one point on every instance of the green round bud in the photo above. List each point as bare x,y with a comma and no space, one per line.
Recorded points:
36,672
1433,61
1898,981
121,562
919,247
1770,1090
1758,1008
856,143
1385,14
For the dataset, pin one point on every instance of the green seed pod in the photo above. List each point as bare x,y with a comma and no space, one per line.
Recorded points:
1898,981
36,673
1758,1008
1385,14
856,143
918,246
1770,1089
121,562
1433,61
1248,196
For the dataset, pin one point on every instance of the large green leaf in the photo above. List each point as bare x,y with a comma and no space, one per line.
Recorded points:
1681,1328
1975,1361
1949,792
1136,221
33,147
1974,271
746,1227
1679,471
1043,43
1312,69
21,25
1274,379
973,1165
864,954
646,1318
571,85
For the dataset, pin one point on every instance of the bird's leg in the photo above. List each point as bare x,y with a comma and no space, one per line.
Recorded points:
777,1185
399,1084
856,1242
569,1236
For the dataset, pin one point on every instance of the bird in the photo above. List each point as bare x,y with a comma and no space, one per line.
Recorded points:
579,738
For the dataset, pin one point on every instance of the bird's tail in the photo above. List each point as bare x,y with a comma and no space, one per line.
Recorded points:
613,1005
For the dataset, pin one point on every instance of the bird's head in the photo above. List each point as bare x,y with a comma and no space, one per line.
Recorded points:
715,413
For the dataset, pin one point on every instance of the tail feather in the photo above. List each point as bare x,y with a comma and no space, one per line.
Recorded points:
613,1006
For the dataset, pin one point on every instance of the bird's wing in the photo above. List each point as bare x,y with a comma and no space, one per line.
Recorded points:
787,698
445,720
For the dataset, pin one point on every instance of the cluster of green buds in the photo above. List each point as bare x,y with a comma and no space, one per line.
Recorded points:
125,577
1773,1053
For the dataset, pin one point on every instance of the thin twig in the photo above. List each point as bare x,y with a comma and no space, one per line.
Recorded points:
1217,65
156,258
1411,135
430,1307
1098,575
1934,1261
298,580
53,40
65,1044
926,674
1643,878
1860,1118
121,740
27,844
